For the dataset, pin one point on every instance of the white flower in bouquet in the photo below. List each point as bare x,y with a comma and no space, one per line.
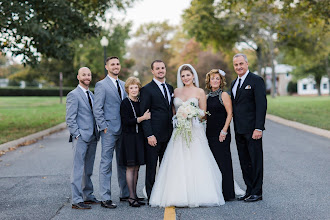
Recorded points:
182,121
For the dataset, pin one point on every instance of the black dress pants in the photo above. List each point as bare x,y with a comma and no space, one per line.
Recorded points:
251,159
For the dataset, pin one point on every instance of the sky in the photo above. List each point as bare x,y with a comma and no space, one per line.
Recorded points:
145,11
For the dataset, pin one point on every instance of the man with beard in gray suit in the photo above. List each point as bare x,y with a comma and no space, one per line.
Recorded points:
84,136
109,94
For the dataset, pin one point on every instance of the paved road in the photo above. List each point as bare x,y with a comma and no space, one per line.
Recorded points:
34,182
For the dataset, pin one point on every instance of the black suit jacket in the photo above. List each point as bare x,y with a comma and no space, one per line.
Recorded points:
249,107
160,124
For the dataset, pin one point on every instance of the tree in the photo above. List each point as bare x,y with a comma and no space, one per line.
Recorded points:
153,42
35,27
202,60
88,53
224,24
305,38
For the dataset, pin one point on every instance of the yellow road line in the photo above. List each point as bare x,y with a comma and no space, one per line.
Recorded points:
169,213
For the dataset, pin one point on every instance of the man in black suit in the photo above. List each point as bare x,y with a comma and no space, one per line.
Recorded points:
157,97
249,109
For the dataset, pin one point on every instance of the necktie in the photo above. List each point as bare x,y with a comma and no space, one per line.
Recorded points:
89,100
238,87
90,103
165,91
118,87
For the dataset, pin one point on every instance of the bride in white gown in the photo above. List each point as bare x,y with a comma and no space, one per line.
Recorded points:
188,175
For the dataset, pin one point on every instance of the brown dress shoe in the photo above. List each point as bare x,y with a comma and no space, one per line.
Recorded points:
92,201
81,205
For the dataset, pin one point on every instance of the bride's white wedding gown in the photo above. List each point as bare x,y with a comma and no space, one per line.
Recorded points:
188,176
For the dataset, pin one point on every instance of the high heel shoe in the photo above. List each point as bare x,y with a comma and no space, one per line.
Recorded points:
134,203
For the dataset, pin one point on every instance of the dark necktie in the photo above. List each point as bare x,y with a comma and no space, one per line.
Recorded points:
89,100
165,92
90,103
118,87
238,87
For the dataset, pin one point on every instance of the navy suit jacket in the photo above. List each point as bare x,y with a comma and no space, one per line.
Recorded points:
160,123
249,107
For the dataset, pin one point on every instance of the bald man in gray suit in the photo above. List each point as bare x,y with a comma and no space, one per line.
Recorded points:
84,136
109,94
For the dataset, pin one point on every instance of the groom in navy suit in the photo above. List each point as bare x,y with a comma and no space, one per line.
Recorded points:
249,109
157,97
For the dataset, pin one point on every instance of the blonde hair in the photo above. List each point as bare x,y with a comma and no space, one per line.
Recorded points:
132,81
208,78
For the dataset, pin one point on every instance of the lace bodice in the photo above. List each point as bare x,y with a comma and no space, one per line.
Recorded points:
178,102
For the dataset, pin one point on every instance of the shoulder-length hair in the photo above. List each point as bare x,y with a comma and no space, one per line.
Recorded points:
208,78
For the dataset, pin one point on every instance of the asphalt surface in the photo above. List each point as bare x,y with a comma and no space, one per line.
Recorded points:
35,182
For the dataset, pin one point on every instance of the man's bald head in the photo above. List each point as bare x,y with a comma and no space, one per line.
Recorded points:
84,76
84,70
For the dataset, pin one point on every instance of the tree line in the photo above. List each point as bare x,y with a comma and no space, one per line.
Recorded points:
294,32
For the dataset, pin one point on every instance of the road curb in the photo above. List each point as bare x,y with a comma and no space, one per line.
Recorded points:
300,126
30,139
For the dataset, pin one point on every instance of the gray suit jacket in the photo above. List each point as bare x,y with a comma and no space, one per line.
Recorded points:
79,115
107,105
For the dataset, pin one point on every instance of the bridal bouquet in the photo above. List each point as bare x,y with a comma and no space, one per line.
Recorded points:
187,113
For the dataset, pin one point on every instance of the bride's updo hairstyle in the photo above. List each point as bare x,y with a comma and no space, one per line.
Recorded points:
208,78
185,67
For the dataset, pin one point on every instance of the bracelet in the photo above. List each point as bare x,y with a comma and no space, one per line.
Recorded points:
224,133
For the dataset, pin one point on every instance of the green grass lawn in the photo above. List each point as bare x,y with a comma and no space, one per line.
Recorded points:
21,116
314,111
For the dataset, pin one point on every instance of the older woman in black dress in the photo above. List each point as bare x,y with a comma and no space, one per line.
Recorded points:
218,131
132,148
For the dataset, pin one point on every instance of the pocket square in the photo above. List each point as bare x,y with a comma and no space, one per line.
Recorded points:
172,95
248,87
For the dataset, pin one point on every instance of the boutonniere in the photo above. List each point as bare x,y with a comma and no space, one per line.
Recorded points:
172,95
248,87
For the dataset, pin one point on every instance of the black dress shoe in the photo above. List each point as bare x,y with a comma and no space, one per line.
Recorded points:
140,199
134,203
243,197
123,199
253,198
92,201
81,205
108,204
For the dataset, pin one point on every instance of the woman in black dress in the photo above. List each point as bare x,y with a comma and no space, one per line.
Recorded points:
132,147
218,131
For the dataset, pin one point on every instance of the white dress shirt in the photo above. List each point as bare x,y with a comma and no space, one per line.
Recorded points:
159,84
236,83
85,90
114,82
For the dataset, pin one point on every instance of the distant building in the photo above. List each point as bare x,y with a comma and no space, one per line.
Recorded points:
4,82
283,77
307,86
